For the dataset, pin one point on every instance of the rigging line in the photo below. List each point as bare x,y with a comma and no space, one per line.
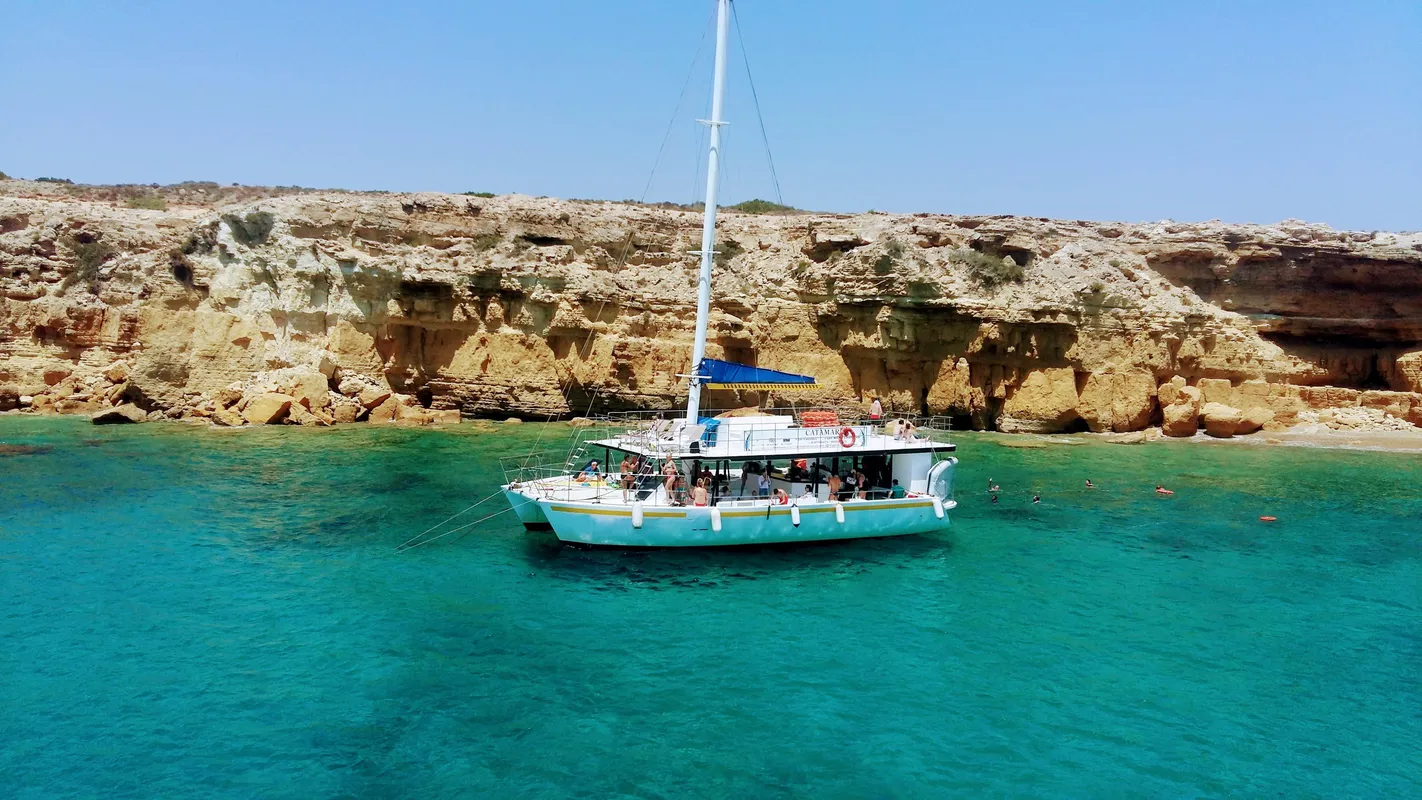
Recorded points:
735,15
456,516
485,518
627,244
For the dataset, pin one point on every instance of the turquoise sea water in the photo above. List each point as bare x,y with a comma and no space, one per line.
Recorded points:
192,612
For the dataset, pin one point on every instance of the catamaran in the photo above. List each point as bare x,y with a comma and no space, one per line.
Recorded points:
748,476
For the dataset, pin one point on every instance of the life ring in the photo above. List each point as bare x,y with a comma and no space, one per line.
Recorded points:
1268,519
847,437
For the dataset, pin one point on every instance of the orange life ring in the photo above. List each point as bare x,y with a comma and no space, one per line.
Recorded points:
847,437
1268,519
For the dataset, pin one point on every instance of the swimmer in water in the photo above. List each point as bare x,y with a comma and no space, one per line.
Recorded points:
1162,490
1036,498
1089,484
994,498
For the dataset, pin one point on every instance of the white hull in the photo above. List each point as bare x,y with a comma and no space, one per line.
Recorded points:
628,525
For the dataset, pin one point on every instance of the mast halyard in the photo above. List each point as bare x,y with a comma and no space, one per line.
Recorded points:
708,224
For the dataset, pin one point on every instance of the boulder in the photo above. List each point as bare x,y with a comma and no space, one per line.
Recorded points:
1045,402
229,397
156,415
26,400
1115,401
345,412
1180,419
117,372
311,390
10,398
115,395
54,375
386,411
267,409
413,415
228,417
301,415
42,403
372,396
513,421
1170,390
352,386
445,416
1254,418
1216,390
584,422
119,415
1221,421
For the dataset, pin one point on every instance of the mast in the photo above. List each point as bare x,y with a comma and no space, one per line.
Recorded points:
708,224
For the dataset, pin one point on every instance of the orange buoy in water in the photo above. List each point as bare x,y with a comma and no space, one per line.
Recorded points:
1268,519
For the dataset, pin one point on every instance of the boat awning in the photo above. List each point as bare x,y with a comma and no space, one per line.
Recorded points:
726,375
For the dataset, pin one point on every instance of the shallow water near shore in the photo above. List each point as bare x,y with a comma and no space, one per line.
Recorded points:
195,612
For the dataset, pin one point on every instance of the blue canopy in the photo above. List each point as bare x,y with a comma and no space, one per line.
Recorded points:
726,375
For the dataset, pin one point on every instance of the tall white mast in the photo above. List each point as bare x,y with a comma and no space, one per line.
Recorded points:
708,225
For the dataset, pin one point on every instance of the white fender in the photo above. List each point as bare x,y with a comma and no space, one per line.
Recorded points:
938,508
637,513
716,519
795,516
839,513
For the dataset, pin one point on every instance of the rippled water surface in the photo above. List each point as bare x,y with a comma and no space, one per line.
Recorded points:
196,612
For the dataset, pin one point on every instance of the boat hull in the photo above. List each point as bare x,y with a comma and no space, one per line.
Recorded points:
662,526
528,511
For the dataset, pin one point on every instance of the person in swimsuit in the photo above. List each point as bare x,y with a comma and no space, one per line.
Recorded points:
699,495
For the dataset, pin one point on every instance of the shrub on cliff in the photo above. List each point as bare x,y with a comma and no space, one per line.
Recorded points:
253,229
89,257
761,207
151,202
989,270
3,176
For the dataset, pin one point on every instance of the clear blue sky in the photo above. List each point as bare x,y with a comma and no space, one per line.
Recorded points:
1244,111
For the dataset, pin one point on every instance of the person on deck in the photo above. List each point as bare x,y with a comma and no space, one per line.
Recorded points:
851,485
876,409
808,494
590,472
627,470
747,470
834,484
669,475
896,491
762,485
699,495
678,494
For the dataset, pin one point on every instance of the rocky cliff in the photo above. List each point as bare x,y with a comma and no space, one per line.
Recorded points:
521,306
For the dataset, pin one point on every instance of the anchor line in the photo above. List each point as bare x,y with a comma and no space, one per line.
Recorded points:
404,547
408,542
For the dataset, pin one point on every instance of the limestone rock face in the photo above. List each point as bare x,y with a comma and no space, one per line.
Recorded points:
126,413
526,307
1221,421
1117,402
267,409
1409,371
1044,403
